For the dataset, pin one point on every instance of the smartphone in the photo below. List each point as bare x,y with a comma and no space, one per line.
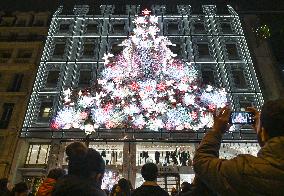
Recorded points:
241,118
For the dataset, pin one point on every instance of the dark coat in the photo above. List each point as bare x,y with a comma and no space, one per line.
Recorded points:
245,174
75,186
147,190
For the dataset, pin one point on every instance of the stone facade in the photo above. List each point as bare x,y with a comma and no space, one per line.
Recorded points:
21,42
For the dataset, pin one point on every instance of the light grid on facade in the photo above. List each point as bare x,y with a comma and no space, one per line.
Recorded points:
75,45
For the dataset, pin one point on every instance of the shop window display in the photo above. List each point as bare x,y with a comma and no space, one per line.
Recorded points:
37,154
165,154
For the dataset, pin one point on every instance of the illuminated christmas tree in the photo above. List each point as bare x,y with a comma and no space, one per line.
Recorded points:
143,87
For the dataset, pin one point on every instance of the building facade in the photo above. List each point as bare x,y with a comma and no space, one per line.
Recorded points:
20,52
73,58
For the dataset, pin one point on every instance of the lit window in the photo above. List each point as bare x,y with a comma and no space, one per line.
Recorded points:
45,111
37,154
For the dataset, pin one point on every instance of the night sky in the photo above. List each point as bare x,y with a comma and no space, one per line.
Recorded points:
243,5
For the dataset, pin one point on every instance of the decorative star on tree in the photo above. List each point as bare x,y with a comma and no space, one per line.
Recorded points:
146,12
143,87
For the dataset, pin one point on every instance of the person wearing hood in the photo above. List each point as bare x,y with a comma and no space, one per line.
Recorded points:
245,174
46,188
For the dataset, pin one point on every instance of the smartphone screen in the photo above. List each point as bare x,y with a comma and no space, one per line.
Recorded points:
241,118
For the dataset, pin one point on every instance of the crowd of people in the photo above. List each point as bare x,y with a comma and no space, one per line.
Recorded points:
243,175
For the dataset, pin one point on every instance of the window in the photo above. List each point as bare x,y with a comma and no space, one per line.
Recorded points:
88,50
59,49
21,23
64,28
38,23
199,28
25,54
85,77
7,21
118,28
176,49
16,84
38,154
45,111
203,51
115,49
226,28
2,144
52,79
6,115
208,76
5,53
239,79
92,28
232,52
246,102
173,28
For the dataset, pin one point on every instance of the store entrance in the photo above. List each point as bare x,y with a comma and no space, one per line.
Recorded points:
168,181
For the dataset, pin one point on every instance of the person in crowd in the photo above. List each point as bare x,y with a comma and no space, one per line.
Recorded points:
106,191
46,188
130,186
86,169
185,188
115,189
20,189
174,192
245,174
4,191
149,172
122,188
199,188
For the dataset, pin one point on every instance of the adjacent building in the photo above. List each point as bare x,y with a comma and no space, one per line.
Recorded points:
22,36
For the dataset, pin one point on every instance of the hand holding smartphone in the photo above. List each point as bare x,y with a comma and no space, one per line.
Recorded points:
242,118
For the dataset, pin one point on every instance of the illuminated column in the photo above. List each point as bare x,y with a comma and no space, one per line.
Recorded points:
129,161
55,154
